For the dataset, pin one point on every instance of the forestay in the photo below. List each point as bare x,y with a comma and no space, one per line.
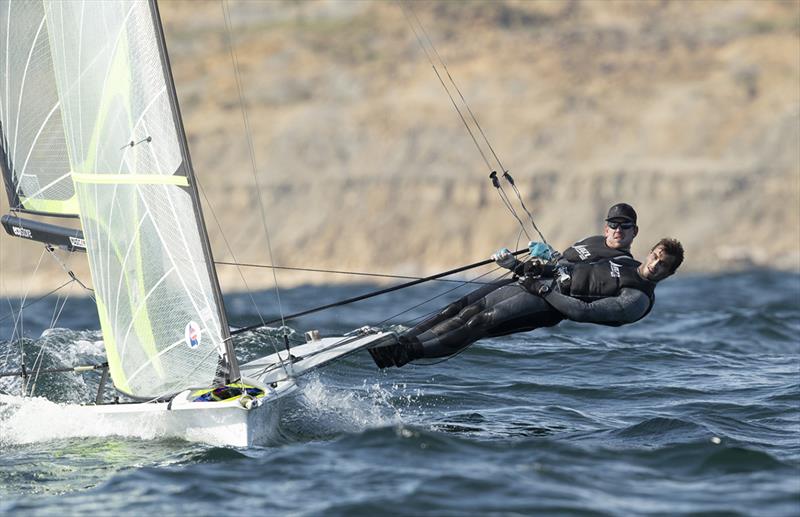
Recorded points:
157,295
33,152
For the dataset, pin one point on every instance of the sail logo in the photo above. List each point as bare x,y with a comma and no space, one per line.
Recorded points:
77,243
192,334
19,231
614,269
583,253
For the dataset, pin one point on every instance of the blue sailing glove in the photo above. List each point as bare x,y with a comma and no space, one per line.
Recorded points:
540,251
504,258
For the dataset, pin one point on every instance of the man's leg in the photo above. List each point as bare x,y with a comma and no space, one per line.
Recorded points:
503,310
453,330
508,309
454,308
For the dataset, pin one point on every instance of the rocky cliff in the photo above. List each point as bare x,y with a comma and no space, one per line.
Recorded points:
690,111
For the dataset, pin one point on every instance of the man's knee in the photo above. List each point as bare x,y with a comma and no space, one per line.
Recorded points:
452,309
481,320
470,312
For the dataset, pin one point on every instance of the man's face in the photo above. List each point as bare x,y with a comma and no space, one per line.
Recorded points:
657,266
621,237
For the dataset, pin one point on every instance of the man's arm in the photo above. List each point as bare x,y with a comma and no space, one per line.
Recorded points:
627,307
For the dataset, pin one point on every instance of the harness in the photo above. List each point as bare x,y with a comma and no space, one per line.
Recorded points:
607,278
592,249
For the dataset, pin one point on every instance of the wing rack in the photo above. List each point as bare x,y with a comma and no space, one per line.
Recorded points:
67,238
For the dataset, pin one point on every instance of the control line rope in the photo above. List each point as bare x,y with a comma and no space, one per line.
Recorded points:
408,8
372,294
339,272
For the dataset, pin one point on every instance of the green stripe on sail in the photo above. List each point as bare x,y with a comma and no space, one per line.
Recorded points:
135,288
51,206
114,362
118,87
145,241
130,179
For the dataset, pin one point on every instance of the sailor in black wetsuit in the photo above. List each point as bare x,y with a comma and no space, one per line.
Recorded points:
618,234
609,291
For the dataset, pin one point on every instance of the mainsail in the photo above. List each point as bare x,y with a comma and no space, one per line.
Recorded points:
33,151
158,299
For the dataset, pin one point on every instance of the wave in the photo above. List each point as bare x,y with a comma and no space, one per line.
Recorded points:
323,411
55,348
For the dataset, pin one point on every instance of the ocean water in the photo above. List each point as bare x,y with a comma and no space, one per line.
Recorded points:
695,410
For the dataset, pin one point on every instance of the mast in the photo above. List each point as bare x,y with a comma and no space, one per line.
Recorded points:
232,366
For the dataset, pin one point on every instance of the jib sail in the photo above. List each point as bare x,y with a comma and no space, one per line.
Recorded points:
33,152
157,294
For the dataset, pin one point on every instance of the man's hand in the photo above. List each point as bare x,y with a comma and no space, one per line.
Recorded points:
504,258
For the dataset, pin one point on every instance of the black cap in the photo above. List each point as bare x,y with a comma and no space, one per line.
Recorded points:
622,212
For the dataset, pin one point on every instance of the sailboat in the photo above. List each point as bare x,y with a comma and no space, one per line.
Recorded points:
90,128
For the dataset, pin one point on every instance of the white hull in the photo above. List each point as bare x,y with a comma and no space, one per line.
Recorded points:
233,422
224,423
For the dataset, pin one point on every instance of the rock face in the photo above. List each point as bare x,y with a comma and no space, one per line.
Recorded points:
690,111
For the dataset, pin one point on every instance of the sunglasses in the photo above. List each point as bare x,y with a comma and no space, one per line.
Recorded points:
623,226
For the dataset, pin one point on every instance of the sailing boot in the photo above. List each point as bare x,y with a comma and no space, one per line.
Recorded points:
404,351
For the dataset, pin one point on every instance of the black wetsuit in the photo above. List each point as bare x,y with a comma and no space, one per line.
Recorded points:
592,249
496,309
587,251
608,291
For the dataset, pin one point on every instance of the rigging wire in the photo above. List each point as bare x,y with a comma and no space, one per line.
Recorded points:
448,291
37,363
377,293
452,100
18,329
506,174
338,272
463,100
57,316
382,323
51,250
41,298
503,196
510,179
57,311
502,193
24,371
230,250
251,149
406,8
